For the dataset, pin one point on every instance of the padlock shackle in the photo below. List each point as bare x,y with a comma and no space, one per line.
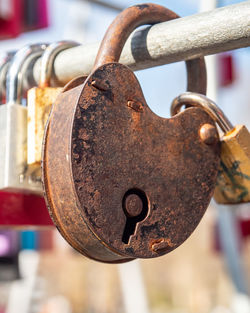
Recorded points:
123,25
5,58
18,66
127,21
201,101
48,58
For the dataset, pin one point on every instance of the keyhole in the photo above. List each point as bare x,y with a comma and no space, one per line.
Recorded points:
135,207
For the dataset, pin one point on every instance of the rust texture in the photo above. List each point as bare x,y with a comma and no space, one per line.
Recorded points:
59,188
121,182
102,149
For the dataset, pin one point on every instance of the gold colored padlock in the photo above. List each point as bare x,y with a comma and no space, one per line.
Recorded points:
233,181
40,100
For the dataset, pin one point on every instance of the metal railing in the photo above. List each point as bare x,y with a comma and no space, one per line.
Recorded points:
223,29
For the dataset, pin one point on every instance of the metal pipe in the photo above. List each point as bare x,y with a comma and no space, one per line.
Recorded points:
186,38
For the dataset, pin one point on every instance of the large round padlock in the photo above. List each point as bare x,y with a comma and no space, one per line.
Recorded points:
121,182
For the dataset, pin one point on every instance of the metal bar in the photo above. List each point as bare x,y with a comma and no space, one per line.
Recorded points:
186,38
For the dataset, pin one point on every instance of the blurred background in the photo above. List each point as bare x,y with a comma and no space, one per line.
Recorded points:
209,273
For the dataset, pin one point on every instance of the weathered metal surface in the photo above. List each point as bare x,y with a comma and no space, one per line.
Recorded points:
114,148
57,179
233,183
103,145
39,101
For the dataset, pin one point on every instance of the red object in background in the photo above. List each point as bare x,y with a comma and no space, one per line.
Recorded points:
11,26
226,69
244,227
43,20
25,15
35,14
20,210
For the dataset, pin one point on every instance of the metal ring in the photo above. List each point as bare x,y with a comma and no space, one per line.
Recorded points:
201,101
5,58
16,70
48,57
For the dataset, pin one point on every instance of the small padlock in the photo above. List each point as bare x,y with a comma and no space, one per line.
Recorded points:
40,100
13,126
121,182
233,182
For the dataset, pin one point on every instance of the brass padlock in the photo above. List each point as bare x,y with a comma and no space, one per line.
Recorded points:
233,182
121,182
40,100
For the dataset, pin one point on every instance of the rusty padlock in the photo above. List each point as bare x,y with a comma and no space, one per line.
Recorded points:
121,182
233,182
40,100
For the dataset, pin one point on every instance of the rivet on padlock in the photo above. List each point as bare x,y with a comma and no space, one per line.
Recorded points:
13,126
121,182
233,182
40,100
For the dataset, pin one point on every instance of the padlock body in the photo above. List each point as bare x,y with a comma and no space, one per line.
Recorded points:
102,143
39,102
233,182
14,173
